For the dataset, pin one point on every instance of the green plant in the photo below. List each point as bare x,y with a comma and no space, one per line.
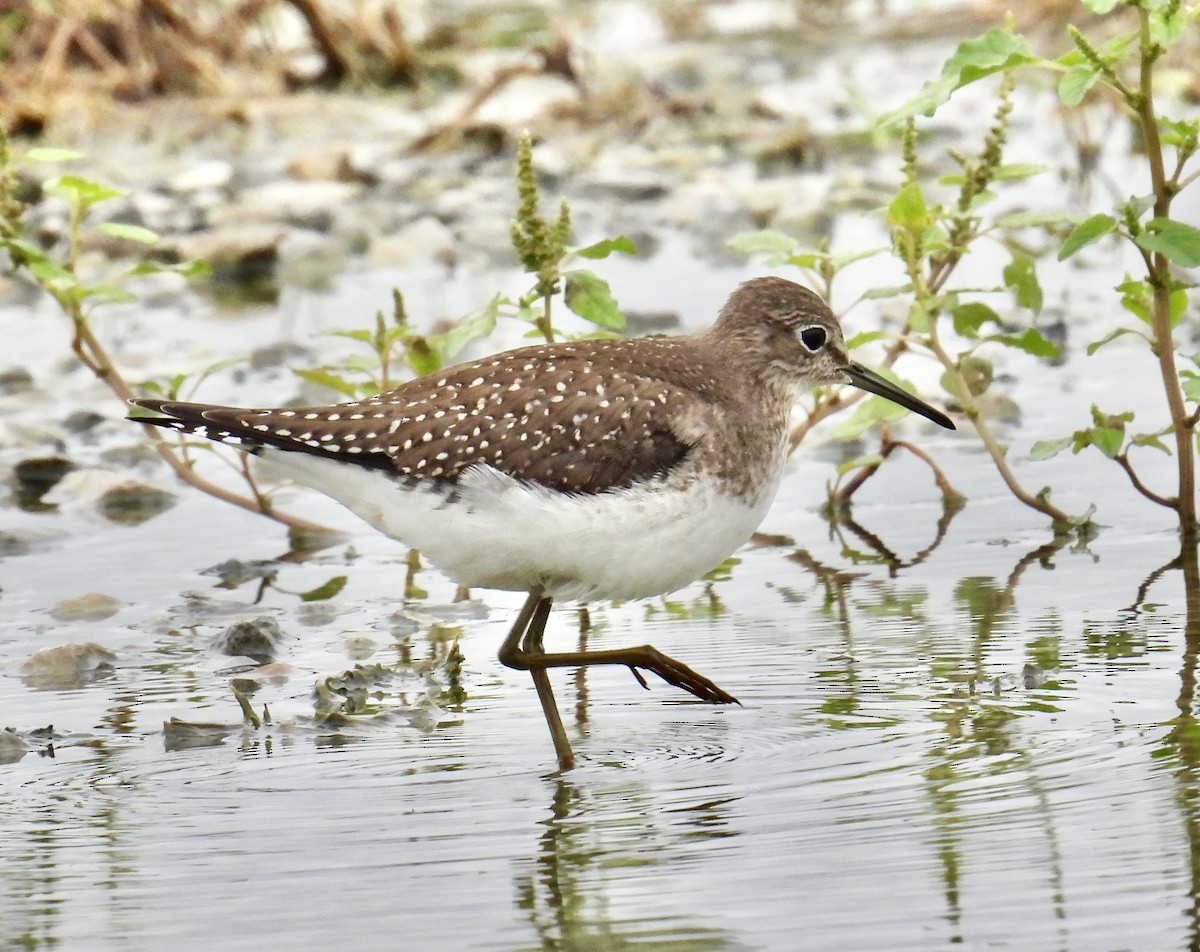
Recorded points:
931,235
542,248
58,273
392,343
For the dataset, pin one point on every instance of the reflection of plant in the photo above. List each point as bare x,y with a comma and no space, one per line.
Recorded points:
931,236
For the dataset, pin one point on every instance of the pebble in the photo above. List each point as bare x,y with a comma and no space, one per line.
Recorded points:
67,666
12,747
307,204
15,380
202,176
256,638
93,606
117,497
426,239
37,476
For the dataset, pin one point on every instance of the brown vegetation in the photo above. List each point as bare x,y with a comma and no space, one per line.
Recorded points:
134,49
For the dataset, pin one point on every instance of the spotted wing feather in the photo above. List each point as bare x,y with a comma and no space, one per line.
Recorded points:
572,417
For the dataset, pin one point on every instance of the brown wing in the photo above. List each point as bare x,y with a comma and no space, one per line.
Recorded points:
573,417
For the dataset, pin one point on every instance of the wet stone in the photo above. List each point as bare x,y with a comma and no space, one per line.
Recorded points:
235,572
93,606
82,421
12,747
280,354
35,477
257,638
129,455
67,666
360,647
309,204
424,239
202,176
184,735
12,544
236,253
15,380
131,504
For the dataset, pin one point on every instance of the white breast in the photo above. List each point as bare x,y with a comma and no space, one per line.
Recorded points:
493,531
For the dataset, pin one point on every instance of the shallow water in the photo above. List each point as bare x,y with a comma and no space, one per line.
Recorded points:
890,782
970,745
972,751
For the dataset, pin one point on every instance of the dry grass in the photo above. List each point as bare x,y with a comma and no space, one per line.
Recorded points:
130,50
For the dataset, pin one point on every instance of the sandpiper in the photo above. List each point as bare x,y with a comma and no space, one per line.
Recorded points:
581,470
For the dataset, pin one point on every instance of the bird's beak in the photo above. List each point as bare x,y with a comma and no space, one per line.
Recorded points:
873,383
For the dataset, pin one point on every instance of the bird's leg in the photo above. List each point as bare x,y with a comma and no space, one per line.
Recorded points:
523,649
520,650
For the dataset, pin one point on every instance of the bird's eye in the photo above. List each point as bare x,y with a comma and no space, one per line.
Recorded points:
813,338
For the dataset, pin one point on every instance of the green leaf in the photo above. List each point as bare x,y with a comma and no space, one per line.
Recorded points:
132,232
52,155
188,269
1177,302
25,252
859,462
996,50
1089,230
474,328
1107,435
1135,298
886,292
1177,242
1178,132
863,338
908,209
1111,336
1136,206
849,257
325,592
1167,26
326,378
81,192
976,372
109,293
589,296
1045,449
866,414
918,316
354,333
422,355
1020,277
1026,219
971,316
1019,170
1150,439
1076,82
602,249
1189,383
1031,341
1108,440
50,274
775,242
1101,7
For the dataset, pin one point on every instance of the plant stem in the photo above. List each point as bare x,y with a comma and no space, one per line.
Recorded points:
1122,460
92,355
1160,281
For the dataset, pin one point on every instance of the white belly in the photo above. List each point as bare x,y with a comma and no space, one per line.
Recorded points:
505,534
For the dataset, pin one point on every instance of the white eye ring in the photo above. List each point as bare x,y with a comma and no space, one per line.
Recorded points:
813,337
